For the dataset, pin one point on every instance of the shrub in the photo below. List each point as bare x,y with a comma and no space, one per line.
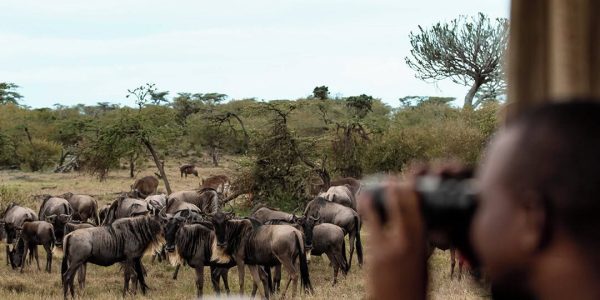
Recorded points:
38,154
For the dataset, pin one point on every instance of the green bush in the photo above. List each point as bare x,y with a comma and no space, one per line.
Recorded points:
38,155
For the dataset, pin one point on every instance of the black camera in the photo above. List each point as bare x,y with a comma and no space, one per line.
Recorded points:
447,202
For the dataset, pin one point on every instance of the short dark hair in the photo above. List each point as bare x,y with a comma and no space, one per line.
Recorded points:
558,155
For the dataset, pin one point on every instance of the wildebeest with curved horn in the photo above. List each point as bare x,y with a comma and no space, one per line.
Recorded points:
342,216
30,236
188,169
248,242
341,194
56,211
194,244
14,216
157,202
144,187
125,240
207,200
85,207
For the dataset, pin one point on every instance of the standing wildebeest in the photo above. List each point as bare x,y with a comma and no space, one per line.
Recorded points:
342,216
219,183
341,194
70,227
33,234
326,238
188,169
194,244
144,187
207,200
57,211
125,207
125,240
84,207
250,243
13,218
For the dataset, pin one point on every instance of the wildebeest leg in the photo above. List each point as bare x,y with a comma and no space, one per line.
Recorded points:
214,279
452,262
176,271
335,265
199,280
258,279
25,249
81,276
224,274
351,239
290,268
48,257
277,278
139,270
68,278
37,259
461,261
240,266
126,277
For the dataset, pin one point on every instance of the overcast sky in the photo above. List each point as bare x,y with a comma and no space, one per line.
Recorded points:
77,51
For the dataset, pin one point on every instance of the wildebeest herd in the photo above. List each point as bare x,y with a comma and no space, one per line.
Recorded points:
186,228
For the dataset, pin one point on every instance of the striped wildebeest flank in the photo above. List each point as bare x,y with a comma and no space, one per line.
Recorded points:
124,241
248,242
194,244
188,169
57,211
207,199
341,194
30,236
14,217
144,187
342,216
85,207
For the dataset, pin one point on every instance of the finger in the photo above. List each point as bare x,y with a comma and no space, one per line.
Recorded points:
412,219
371,219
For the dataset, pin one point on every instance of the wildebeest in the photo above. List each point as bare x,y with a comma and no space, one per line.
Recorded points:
248,242
144,187
327,239
125,240
441,242
354,185
342,216
263,214
30,235
84,207
219,183
194,244
207,200
14,216
188,169
57,211
341,194
157,202
125,207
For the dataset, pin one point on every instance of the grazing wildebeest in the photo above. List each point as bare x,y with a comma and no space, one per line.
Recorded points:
248,242
342,216
341,194
207,200
13,218
327,239
57,211
194,244
70,227
32,234
144,187
84,207
188,169
125,240
125,207
219,183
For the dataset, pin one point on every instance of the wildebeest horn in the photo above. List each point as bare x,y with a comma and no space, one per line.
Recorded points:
317,217
162,214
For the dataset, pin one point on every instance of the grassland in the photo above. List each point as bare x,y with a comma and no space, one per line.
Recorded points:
106,283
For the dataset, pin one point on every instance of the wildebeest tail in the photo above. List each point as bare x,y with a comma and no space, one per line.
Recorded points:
304,276
359,249
344,261
64,264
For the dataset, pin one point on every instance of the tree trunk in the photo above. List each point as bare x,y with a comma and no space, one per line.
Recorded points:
159,165
215,156
471,95
131,167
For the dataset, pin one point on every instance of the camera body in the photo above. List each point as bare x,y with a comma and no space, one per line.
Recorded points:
447,205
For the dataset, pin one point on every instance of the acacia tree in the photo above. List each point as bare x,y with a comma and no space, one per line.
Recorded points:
468,50
321,92
8,93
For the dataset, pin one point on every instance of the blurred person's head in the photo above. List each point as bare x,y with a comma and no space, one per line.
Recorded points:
540,194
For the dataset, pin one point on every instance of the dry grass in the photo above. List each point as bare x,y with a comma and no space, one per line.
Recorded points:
106,283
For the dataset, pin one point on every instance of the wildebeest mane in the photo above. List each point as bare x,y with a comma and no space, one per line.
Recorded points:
11,205
190,237
316,204
135,228
237,232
